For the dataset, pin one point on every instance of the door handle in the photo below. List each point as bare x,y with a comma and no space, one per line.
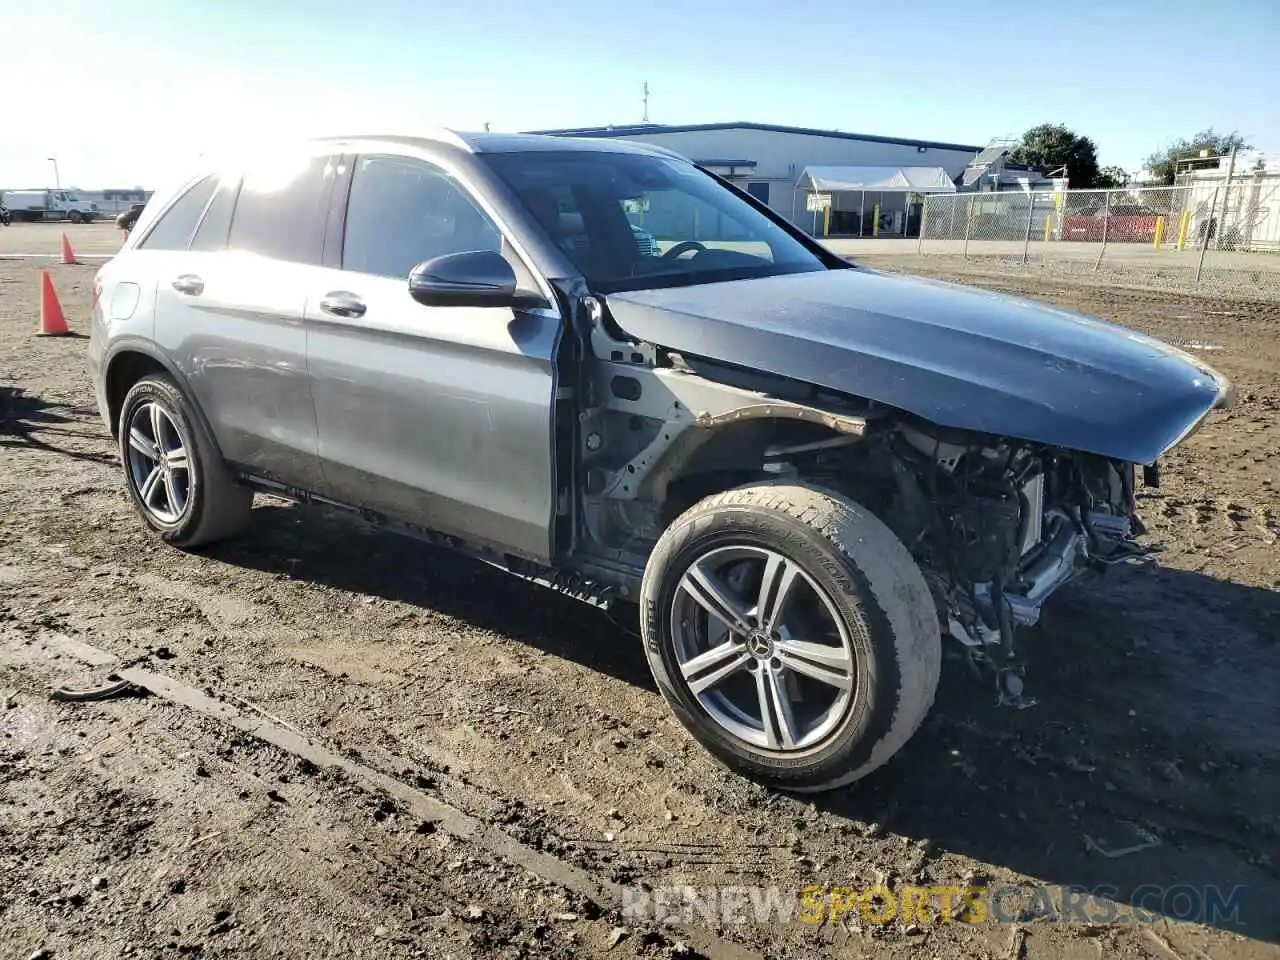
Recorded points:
189,284
342,304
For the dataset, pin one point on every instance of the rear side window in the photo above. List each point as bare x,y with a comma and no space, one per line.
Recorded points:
402,211
212,232
174,228
281,209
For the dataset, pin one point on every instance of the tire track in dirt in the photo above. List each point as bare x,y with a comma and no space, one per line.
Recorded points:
280,823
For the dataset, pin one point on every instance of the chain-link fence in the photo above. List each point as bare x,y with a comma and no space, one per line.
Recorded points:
1205,234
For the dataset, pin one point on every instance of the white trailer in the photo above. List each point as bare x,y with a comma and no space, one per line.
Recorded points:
32,205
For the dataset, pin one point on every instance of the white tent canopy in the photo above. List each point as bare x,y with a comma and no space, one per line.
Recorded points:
895,179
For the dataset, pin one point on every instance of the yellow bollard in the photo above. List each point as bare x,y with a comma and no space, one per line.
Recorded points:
826,221
1183,228
875,220
1159,238
1048,226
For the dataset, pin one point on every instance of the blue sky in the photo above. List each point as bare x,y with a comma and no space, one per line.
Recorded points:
123,92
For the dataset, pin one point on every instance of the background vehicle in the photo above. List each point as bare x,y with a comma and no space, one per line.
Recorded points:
1121,223
32,205
647,242
128,218
804,472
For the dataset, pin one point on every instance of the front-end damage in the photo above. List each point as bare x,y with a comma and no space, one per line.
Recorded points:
1000,525
997,524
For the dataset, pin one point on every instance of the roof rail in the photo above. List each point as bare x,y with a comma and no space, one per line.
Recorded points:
439,134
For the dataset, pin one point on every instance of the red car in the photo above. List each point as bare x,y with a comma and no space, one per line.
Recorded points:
1128,224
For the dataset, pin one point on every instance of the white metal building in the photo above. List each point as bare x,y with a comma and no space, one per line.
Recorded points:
1239,207
875,185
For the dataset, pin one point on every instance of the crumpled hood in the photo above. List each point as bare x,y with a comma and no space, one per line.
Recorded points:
956,356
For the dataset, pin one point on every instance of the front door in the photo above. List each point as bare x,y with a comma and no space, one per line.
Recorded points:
437,416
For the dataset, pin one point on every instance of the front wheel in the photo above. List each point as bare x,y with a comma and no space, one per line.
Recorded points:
792,634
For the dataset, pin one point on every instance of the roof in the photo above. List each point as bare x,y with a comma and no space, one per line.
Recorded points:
992,155
892,179
639,129
989,155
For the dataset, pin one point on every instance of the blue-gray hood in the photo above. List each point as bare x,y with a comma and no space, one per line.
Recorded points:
954,355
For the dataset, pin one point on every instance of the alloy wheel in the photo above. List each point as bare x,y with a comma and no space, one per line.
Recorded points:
762,648
159,465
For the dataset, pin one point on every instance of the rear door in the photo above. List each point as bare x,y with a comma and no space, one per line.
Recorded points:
439,416
231,312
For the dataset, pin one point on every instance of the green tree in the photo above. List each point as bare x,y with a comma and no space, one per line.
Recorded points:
1051,145
1112,178
1184,154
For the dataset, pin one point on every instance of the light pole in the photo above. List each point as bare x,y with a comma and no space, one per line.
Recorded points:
57,181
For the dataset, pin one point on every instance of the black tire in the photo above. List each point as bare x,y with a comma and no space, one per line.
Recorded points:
216,506
869,578
74,216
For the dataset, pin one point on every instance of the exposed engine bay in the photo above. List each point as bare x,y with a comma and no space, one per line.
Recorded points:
996,524
997,527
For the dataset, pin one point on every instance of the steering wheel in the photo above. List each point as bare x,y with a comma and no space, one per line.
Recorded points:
684,246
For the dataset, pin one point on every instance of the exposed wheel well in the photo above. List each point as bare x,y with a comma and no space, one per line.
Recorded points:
126,369
735,454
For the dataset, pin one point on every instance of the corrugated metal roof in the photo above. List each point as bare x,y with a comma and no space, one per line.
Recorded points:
639,129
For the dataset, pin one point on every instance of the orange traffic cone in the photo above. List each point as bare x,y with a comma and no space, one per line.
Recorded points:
68,256
52,322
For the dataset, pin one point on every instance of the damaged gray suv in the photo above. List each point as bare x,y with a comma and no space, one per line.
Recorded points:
606,370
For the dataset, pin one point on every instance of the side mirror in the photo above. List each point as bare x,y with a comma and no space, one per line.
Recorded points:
476,278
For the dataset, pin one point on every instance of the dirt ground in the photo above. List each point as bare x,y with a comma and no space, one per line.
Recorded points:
141,827
89,241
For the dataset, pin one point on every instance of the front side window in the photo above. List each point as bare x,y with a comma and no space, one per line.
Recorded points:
631,221
402,211
174,228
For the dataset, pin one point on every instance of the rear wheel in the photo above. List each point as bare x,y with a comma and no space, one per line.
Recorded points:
173,472
792,634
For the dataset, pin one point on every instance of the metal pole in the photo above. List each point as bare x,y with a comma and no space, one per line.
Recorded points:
924,219
1031,210
57,180
1204,243
862,210
1106,224
1226,198
968,220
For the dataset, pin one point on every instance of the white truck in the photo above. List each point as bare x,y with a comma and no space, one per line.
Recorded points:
32,205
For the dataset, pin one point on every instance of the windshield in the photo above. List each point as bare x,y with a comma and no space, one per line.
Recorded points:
631,221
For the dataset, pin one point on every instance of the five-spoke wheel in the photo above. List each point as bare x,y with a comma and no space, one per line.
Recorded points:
791,632
159,468
762,647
